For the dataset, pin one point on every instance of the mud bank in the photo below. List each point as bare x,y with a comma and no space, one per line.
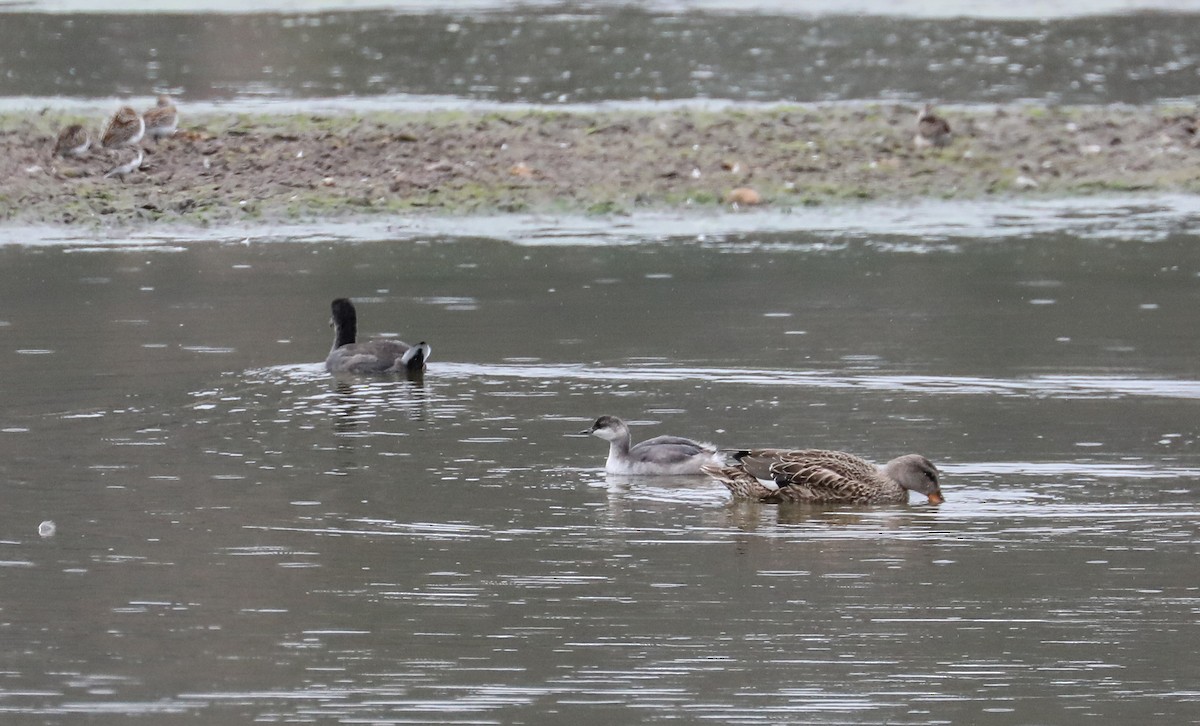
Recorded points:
223,169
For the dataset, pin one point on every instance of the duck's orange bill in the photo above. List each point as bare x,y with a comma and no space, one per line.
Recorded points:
936,498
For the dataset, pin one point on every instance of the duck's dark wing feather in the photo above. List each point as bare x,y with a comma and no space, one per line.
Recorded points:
814,481
810,475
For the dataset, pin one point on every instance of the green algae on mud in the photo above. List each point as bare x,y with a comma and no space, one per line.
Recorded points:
293,168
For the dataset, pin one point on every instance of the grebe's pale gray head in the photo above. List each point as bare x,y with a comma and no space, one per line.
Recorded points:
916,473
609,428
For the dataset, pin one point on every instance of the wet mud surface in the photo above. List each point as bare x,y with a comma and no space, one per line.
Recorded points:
222,169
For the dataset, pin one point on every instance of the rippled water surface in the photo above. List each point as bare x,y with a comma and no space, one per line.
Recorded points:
568,53
238,538
241,538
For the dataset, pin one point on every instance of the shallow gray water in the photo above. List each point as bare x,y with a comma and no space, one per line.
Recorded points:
240,538
572,54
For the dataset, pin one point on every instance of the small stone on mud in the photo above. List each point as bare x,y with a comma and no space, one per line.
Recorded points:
521,169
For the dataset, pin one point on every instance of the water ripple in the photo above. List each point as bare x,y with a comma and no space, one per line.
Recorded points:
1041,386
1052,386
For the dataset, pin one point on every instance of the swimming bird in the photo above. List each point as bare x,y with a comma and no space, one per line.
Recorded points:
827,477
125,128
130,166
661,455
932,130
74,140
372,356
162,120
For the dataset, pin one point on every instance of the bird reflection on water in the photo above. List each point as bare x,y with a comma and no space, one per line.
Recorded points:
356,403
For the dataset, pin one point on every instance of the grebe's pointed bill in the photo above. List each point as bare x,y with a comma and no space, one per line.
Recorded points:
579,434
609,428
598,424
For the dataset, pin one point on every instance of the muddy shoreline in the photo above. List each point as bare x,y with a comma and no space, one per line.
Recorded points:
223,169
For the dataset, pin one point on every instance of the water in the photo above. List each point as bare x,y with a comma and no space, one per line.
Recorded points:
241,538
567,54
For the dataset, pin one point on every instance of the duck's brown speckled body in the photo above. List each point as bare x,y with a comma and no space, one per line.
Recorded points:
827,477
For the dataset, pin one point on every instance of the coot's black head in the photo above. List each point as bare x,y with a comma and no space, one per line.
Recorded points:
344,321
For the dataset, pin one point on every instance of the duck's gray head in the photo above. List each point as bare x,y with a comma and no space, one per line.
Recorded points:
609,428
916,473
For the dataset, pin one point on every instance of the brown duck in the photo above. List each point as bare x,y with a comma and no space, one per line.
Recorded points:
827,477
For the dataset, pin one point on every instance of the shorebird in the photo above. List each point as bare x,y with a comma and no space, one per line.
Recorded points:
127,167
74,140
827,477
125,128
660,456
932,130
162,120
372,356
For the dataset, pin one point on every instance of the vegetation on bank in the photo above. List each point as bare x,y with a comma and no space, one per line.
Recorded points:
228,168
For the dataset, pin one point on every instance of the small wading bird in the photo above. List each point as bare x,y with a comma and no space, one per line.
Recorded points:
827,477
74,140
125,128
661,456
372,356
126,168
162,120
932,130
